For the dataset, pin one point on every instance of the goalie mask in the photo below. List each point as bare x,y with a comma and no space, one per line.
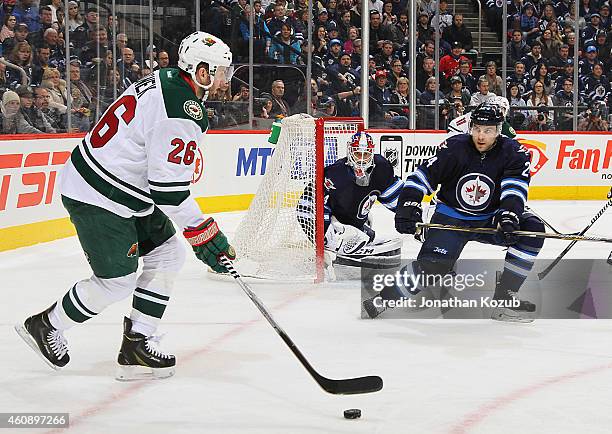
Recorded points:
360,156
202,47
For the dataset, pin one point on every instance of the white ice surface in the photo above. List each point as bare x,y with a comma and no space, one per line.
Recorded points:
235,375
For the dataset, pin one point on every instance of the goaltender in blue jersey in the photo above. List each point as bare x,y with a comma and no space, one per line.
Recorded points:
483,180
351,187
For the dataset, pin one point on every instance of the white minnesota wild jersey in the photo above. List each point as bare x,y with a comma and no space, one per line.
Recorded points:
461,125
142,151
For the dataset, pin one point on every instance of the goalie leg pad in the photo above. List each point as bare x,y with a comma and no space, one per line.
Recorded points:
384,255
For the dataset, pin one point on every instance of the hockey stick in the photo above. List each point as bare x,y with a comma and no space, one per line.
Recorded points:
542,274
492,231
349,386
545,222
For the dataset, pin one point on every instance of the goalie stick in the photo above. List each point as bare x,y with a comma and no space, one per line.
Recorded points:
349,386
542,274
492,231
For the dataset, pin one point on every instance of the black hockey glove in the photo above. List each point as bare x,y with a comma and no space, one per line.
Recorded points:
407,215
506,223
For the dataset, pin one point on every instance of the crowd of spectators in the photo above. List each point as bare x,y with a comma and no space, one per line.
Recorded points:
539,47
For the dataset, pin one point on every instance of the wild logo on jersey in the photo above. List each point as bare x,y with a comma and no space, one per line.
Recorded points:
474,191
366,204
193,109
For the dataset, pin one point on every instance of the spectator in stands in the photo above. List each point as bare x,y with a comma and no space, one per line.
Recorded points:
483,94
401,31
8,28
128,67
565,98
396,73
571,43
445,17
122,42
548,16
56,87
55,5
426,7
550,47
333,55
592,28
380,96
585,65
604,47
557,64
87,94
401,95
597,86
568,72
353,35
163,59
521,78
40,63
146,60
541,119
285,47
378,33
112,26
220,100
426,72
593,120
533,58
495,81
388,17
458,91
320,41
21,55
428,50
385,57
93,52
427,110
279,105
75,19
356,54
53,116
458,32
57,56
529,23
375,5
11,118
556,34
21,35
345,24
469,81
542,75
424,30
31,113
46,20
80,35
606,21
449,64
517,48
516,117
26,12
342,76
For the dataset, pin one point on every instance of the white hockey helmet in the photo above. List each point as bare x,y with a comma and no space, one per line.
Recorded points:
502,103
360,156
202,47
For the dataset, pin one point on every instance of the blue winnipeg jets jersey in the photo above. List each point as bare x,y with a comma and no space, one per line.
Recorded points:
473,185
348,202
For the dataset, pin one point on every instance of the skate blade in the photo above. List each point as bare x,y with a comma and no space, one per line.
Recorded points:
509,315
137,372
28,339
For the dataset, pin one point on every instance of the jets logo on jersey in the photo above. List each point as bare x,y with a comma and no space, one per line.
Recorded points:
392,156
194,110
328,184
366,205
474,191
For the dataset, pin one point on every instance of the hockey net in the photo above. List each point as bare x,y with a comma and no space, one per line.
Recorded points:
276,239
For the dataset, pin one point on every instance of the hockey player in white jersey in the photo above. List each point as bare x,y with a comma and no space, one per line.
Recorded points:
460,125
123,183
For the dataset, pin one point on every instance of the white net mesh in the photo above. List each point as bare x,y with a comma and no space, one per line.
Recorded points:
275,239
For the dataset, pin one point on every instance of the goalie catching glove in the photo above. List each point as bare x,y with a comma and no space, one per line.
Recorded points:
209,244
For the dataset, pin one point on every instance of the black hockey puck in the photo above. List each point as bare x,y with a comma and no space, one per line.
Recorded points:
352,413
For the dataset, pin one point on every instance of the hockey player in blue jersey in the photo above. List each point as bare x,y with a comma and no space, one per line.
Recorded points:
351,187
484,181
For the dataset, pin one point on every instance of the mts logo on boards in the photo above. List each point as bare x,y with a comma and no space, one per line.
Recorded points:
29,179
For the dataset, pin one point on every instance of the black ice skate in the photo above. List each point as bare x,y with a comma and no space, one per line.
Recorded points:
139,358
513,309
48,342
370,307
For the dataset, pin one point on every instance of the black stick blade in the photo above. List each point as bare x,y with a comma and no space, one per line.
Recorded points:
351,386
